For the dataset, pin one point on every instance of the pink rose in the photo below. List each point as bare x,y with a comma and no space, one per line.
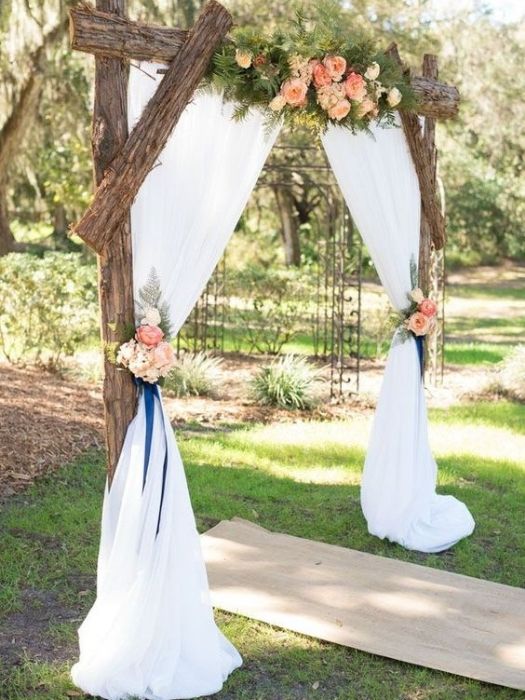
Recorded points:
340,110
336,66
163,355
321,76
428,307
355,86
367,106
294,92
149,335
418,323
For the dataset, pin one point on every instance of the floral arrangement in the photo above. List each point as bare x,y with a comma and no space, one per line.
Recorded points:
420,317
312,76
149,355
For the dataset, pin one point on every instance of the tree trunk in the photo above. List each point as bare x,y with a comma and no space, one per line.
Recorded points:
110,131
15,128
7,240
138,155
289,227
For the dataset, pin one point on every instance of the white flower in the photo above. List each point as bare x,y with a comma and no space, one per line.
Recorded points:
126,352
151,317
379,89
372,71
394,97
243,58
277,103
417,295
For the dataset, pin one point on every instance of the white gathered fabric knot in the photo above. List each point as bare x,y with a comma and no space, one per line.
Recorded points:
151,632
398,488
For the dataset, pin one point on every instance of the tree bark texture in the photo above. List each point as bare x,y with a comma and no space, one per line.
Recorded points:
418,149
103,34
115,271
106,34
138,155
430,69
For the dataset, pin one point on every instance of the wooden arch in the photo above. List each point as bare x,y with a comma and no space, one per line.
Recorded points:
122,161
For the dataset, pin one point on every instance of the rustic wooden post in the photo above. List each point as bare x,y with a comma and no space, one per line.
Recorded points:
430,70
110,131
121,162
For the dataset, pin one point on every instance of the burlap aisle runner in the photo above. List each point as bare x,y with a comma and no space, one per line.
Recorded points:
412,613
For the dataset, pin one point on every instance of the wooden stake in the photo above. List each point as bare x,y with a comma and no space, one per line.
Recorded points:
110,131
136,158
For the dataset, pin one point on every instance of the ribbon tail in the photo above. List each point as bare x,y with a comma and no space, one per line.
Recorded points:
420,345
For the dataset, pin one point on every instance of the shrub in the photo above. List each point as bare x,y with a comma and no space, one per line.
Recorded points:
49,306
194,375
289,382
269,306
511,375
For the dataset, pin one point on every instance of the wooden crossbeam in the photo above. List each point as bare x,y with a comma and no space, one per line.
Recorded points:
137,157
106,34
424,169
103,34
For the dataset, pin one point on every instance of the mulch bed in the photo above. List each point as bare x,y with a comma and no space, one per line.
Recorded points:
45,422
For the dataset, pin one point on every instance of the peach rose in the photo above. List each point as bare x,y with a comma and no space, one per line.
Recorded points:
367,106
321,76
163,355
149,335
340,110
418,323
294,92
336,66
355,87
428,307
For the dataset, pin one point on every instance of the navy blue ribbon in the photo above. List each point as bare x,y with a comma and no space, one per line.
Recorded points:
420,345
151,392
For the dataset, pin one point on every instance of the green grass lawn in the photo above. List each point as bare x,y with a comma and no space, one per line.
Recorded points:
301,478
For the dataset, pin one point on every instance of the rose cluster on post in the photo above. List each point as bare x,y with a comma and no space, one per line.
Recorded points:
148,355
421,320
337,86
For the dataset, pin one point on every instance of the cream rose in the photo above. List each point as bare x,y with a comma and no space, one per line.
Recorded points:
243,58
277,103
151,317
367,106
416,295
372,71
394,97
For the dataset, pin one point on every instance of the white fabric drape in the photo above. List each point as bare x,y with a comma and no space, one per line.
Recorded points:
398,496
151,632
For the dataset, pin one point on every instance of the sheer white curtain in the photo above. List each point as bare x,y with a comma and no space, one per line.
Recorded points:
151,631
398,496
